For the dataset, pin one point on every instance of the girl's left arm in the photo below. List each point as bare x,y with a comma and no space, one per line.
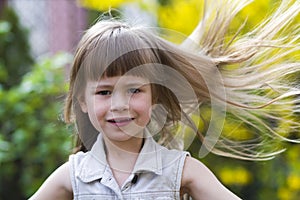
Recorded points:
200,183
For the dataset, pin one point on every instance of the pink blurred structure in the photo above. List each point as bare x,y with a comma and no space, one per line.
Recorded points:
53,25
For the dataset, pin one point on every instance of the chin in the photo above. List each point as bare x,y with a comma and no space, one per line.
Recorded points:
122,136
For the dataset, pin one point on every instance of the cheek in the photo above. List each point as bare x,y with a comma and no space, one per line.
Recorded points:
99,111
96,112
143,107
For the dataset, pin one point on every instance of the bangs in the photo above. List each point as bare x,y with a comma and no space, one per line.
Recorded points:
119,54
137,63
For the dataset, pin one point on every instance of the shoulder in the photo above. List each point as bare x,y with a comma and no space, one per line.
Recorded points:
193,171
63,176
60,178
199,182
57,185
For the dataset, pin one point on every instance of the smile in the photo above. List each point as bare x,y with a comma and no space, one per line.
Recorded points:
120,121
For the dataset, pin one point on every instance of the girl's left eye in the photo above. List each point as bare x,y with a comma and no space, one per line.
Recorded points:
134,90
103,92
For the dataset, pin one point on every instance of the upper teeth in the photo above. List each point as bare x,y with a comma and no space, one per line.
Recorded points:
121,120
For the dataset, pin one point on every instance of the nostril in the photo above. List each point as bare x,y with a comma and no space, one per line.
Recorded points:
119,107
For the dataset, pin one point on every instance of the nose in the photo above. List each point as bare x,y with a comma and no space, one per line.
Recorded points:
119,102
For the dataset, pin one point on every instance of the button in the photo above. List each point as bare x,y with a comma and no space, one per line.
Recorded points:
126,186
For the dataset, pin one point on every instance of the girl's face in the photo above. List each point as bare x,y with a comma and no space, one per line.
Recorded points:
119,107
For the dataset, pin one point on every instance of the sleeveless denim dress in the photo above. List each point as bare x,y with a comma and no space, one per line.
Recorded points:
156,175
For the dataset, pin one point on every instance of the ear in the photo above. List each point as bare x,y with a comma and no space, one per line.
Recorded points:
82,104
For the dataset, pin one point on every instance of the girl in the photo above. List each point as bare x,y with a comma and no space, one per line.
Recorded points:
130,88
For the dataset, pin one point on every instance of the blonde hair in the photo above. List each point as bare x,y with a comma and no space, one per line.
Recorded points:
253,71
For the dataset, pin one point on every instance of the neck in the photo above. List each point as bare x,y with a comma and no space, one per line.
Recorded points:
122,155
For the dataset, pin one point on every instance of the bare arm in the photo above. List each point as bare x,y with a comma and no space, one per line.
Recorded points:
57,186
200,183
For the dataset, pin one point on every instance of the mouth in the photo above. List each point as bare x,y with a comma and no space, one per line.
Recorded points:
120,121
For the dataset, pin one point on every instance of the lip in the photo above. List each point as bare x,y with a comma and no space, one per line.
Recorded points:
122,121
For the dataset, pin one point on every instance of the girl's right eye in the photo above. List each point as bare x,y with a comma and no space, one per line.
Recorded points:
103,92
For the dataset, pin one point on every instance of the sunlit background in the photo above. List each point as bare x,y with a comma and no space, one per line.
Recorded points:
37,40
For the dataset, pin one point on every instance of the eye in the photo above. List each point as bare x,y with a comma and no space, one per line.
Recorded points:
103,92
134,90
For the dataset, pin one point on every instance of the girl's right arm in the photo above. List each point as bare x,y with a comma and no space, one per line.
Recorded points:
57,186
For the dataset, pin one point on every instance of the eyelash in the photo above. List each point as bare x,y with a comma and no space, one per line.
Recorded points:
134,90
108,92
103,92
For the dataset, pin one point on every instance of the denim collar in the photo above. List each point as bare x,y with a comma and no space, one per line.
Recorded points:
94,164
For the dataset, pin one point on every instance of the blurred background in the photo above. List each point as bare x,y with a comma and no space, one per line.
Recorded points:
37,40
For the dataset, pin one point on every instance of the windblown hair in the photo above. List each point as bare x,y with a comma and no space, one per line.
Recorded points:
257,83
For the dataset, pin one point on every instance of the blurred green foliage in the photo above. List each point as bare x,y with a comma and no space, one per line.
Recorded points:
33,138
15,58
